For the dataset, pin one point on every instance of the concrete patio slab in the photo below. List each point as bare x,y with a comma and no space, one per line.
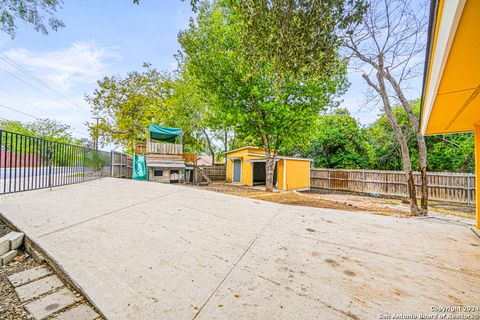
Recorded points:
142,250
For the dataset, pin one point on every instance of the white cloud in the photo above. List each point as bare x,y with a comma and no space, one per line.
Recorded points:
82,62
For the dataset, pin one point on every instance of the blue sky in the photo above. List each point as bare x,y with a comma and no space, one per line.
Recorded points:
101,38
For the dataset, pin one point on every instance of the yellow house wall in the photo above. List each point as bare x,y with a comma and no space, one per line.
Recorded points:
477,171
247,167
298,174
280,168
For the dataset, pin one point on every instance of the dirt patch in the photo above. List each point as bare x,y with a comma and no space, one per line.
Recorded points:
463,211
4,229
331,201
339,200
332,262
229,189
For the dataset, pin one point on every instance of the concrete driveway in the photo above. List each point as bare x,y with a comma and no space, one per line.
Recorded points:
141,250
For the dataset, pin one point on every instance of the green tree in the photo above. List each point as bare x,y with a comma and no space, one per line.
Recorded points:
38,13
189,108
299,37
126,106
339,142
273,111
451,153
44,128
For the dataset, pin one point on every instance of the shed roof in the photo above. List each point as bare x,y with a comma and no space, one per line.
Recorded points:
263,155
242,148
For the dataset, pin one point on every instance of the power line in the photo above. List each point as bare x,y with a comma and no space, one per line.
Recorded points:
19,111
22,69
24,101
34,117
36,88
35,78
39,81
20,79
65,101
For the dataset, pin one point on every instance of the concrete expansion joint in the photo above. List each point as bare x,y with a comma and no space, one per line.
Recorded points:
107,213
237,261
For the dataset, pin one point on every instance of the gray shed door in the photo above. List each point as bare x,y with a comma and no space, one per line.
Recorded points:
237,170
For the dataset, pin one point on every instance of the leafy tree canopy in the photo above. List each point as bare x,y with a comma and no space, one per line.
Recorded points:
298,37
39,13
42,128
339,142
126,106
453,153
273,112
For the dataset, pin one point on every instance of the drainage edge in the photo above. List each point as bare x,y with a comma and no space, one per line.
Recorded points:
40,255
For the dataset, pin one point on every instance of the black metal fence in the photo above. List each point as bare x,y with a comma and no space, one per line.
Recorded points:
28,163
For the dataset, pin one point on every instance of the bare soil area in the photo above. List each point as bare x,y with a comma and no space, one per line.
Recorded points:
340,201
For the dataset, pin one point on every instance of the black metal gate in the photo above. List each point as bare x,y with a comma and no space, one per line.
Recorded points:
28,163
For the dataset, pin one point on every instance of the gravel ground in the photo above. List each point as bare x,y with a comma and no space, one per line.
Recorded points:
3,229
10,307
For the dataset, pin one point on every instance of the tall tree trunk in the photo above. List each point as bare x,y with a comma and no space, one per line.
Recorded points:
225,141
402,141
400,137
210,147
269,170
269,164
422,147
407,168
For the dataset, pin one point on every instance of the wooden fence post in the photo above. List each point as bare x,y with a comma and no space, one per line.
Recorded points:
363,180
468,190
329,179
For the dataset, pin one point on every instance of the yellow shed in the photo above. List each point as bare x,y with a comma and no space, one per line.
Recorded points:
246,166
451,90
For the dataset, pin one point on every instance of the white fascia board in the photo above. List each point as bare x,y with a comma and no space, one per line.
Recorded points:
450,17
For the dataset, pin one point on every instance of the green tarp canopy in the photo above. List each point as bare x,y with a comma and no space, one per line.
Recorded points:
165,134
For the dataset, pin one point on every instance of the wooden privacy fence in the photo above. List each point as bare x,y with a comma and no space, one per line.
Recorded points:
215,172
121,165
448,187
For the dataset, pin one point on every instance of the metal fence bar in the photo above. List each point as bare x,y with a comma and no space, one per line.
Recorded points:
29,163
